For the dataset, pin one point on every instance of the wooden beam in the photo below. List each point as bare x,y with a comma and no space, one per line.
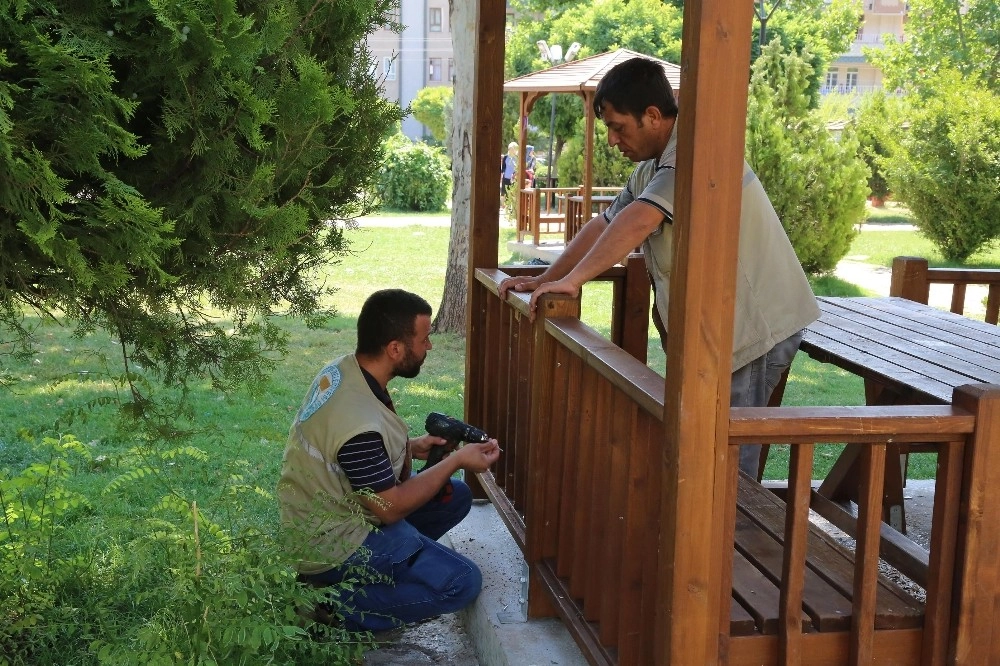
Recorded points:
695,564
484,145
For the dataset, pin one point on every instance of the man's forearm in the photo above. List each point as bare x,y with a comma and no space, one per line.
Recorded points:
614,242
577,249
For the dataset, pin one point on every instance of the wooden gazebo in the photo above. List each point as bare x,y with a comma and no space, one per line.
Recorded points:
621,486
579,77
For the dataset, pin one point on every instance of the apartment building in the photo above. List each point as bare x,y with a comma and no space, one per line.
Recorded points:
418,57
422,54
852,72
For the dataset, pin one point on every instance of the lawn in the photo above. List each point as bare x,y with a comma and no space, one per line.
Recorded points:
58,389
71,385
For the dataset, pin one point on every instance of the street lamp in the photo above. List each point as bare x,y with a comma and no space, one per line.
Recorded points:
554,55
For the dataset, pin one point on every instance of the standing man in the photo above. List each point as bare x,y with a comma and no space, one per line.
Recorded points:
346,493
774,301
508,167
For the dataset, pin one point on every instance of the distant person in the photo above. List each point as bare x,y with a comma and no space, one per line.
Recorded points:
346,492
774,301
508,167
530,161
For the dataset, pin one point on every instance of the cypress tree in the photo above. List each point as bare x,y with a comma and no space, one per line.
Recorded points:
167,166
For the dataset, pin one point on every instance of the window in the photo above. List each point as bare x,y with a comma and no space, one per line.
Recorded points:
831,78
435,19
451,69
389,68
434,69
852,78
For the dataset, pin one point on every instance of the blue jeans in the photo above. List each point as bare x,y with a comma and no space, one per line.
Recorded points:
417,578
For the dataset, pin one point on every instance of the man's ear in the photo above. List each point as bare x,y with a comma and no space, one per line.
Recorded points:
395,350
653,114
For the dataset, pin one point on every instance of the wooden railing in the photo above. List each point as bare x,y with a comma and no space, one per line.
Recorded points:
542,210
580,485
911,278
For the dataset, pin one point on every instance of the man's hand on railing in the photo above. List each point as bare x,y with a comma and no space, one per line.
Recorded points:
520,283
563,286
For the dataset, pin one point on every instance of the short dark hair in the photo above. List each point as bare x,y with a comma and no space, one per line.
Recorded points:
633,86
387,315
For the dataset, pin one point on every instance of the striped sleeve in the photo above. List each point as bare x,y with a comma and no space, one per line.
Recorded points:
366,464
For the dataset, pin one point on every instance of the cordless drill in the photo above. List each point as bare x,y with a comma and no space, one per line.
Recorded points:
454,431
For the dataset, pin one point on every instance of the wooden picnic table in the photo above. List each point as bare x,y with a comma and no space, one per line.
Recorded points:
907,353
575,215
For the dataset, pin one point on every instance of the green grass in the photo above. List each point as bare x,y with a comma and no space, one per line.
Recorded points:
880,247
68,375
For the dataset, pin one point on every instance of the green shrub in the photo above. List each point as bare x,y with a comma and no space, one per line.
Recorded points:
947,170
877,130
610,166
161,584
160,156
413,176
818,185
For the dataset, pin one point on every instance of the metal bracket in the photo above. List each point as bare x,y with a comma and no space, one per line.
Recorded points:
520,613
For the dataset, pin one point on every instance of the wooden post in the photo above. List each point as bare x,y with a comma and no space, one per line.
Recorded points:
588,156
977,574
909,279
484,144
695,561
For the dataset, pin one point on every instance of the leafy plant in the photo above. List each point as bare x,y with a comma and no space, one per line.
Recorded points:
413,176
172,584
161,158
816,184
877,130
432,107
610,167
948,165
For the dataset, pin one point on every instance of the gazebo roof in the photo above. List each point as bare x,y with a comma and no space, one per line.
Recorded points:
584,74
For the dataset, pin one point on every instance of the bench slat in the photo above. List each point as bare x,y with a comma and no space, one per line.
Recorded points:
825,605
895,608
757,595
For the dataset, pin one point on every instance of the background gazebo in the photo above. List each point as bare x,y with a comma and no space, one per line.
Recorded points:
580,77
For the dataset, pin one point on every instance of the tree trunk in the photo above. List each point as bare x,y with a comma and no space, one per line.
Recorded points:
451,314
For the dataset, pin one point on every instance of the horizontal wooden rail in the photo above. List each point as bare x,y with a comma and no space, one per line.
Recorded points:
910,423
912,278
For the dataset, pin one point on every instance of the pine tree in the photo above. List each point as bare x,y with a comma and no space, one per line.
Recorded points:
817,184
170,165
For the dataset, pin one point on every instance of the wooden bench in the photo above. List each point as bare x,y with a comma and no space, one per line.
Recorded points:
912,279
542,210
829,575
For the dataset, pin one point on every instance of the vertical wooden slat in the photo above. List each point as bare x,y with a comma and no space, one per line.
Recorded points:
793,564
958,298
539,461
555,439
977,575
711,127
941,562
499,322
616,549
639,539
600,487
570,465
580,518
866,554
728,517
993,304
633,315
522,404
